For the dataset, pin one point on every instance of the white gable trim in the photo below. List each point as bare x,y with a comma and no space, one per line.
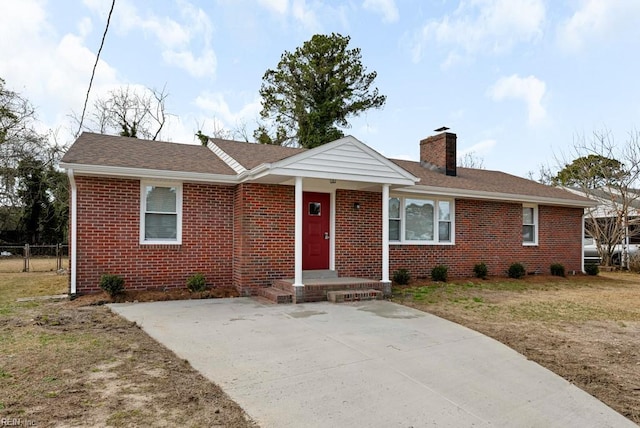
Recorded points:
226,158
343,159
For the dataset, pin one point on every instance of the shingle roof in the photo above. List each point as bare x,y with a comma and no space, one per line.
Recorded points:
108,150
482,180
250,155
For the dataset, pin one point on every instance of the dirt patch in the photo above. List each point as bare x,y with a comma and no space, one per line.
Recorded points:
585,329
76,364
156,295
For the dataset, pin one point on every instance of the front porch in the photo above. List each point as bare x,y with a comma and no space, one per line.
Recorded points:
325,285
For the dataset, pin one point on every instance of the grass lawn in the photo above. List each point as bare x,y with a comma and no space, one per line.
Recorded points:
586,329
67,364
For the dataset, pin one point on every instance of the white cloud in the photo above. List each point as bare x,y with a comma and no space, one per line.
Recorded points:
201,66
305,15
178,40
53,72
279,6
386,8
483,26
529,89
85,26
597,19
481,148
216,106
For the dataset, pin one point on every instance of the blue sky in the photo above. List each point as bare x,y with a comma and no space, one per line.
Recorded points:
518,80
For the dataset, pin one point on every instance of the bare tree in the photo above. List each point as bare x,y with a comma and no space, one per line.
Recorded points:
471,160
129,112
18,139
239,133
32,190
544,175
610,174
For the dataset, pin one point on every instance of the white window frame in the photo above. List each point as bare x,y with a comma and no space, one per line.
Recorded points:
143,210
436,219
534,224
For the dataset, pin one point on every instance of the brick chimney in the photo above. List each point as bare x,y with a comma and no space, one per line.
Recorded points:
439,151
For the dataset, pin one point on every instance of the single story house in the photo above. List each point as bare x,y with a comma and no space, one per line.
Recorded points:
256,216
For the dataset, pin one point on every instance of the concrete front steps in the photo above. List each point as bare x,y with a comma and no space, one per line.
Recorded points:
322,286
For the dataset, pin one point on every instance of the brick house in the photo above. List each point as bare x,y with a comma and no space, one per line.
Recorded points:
257,216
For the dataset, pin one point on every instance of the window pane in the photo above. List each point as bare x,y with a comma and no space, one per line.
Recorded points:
314,208
394,230
161,199
394,208
419,220
528,234
527,215
444,212
160,226
444,230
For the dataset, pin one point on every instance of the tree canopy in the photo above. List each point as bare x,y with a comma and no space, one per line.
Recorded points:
314,91
592,171
33,193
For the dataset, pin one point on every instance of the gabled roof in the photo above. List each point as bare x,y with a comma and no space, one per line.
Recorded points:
344,159
486,184
250,155
99,151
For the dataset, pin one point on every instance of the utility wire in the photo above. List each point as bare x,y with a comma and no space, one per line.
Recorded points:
95,65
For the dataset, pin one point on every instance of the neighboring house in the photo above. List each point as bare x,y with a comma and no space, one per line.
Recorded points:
255,215
618,228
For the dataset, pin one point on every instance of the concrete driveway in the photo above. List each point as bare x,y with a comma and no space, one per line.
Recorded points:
367,364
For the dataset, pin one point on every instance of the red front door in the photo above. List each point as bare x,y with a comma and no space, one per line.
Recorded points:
315,230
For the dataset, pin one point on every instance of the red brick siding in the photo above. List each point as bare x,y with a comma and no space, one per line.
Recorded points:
108,236
265,235
491,232
245,236
358,238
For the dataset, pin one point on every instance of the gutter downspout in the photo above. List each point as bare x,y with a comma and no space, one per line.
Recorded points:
74,240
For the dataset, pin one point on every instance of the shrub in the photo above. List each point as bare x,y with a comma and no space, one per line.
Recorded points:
439,273
196,283
591,269
516,270
401,277
112,284
481,270
557,269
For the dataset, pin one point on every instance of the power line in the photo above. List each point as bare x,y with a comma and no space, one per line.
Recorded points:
95,65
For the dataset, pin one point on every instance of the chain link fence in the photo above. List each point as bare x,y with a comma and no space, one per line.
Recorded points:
34,258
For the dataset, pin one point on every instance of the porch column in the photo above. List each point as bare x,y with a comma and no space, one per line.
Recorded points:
297,280
385,239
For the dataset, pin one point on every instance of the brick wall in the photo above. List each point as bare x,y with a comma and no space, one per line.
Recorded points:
108,236
491,232
244,235
358,237
265,235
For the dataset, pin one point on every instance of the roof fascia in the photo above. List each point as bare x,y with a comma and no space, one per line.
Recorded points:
496,196
112,171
